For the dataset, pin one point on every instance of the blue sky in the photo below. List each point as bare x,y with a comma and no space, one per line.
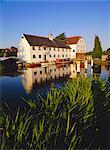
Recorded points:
84,18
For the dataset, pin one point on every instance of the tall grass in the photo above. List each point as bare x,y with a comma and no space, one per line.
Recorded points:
64,119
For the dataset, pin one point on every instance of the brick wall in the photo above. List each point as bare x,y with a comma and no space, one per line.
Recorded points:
80,56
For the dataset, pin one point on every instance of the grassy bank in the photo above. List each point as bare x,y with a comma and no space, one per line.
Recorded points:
101,62
76,116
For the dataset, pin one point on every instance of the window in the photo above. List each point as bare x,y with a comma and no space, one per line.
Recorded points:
33,48
39,56
50,55
58,49
58,55
35,73
54,55
73,50
49,48
62,55
62,49
39,48
66,55
54,49
44,48
34,56
40,72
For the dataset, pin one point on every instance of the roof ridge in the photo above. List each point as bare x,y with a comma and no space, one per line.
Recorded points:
74,36
35,36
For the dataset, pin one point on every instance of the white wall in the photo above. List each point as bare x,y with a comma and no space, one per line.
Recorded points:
24,50
73,50
81,46
55,53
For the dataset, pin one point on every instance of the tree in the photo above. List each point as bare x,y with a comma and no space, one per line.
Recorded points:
61,37
97,51
108,51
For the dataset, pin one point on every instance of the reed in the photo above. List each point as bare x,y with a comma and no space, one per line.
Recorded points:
62,119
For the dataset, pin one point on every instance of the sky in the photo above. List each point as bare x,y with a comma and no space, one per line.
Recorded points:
82,18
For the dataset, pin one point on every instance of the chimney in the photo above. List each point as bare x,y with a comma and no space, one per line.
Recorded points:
50,36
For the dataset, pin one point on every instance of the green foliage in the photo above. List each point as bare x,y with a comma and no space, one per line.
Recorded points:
64,115
88,53
97,51
108,51
61,37
1,54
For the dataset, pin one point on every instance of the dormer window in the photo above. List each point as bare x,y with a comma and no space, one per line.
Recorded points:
33,48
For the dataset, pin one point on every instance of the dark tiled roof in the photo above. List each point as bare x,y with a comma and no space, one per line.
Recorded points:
44,41
72,40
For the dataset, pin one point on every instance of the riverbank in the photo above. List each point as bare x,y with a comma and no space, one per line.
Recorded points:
101,62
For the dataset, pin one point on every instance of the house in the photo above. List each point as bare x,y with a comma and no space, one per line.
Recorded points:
7,52
40,49
88,56
104,57
78,47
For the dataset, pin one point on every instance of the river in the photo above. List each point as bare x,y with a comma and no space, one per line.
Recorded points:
28,82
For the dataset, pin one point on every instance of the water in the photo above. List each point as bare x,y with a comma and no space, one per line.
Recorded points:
26,83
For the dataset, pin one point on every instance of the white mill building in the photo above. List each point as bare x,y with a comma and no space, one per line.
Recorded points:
39,49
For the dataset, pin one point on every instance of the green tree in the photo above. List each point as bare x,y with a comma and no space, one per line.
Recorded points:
108,51
97,51
61,37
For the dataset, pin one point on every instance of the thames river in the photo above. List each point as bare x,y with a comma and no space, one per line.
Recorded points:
26,83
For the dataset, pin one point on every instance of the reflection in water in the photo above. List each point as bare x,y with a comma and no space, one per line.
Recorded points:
41,79
36,76
97,69
104,73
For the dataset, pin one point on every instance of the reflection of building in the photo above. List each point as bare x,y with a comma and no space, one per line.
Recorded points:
73,71
79,68
34,76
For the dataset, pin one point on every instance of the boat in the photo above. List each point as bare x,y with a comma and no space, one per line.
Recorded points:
33,65
63,61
